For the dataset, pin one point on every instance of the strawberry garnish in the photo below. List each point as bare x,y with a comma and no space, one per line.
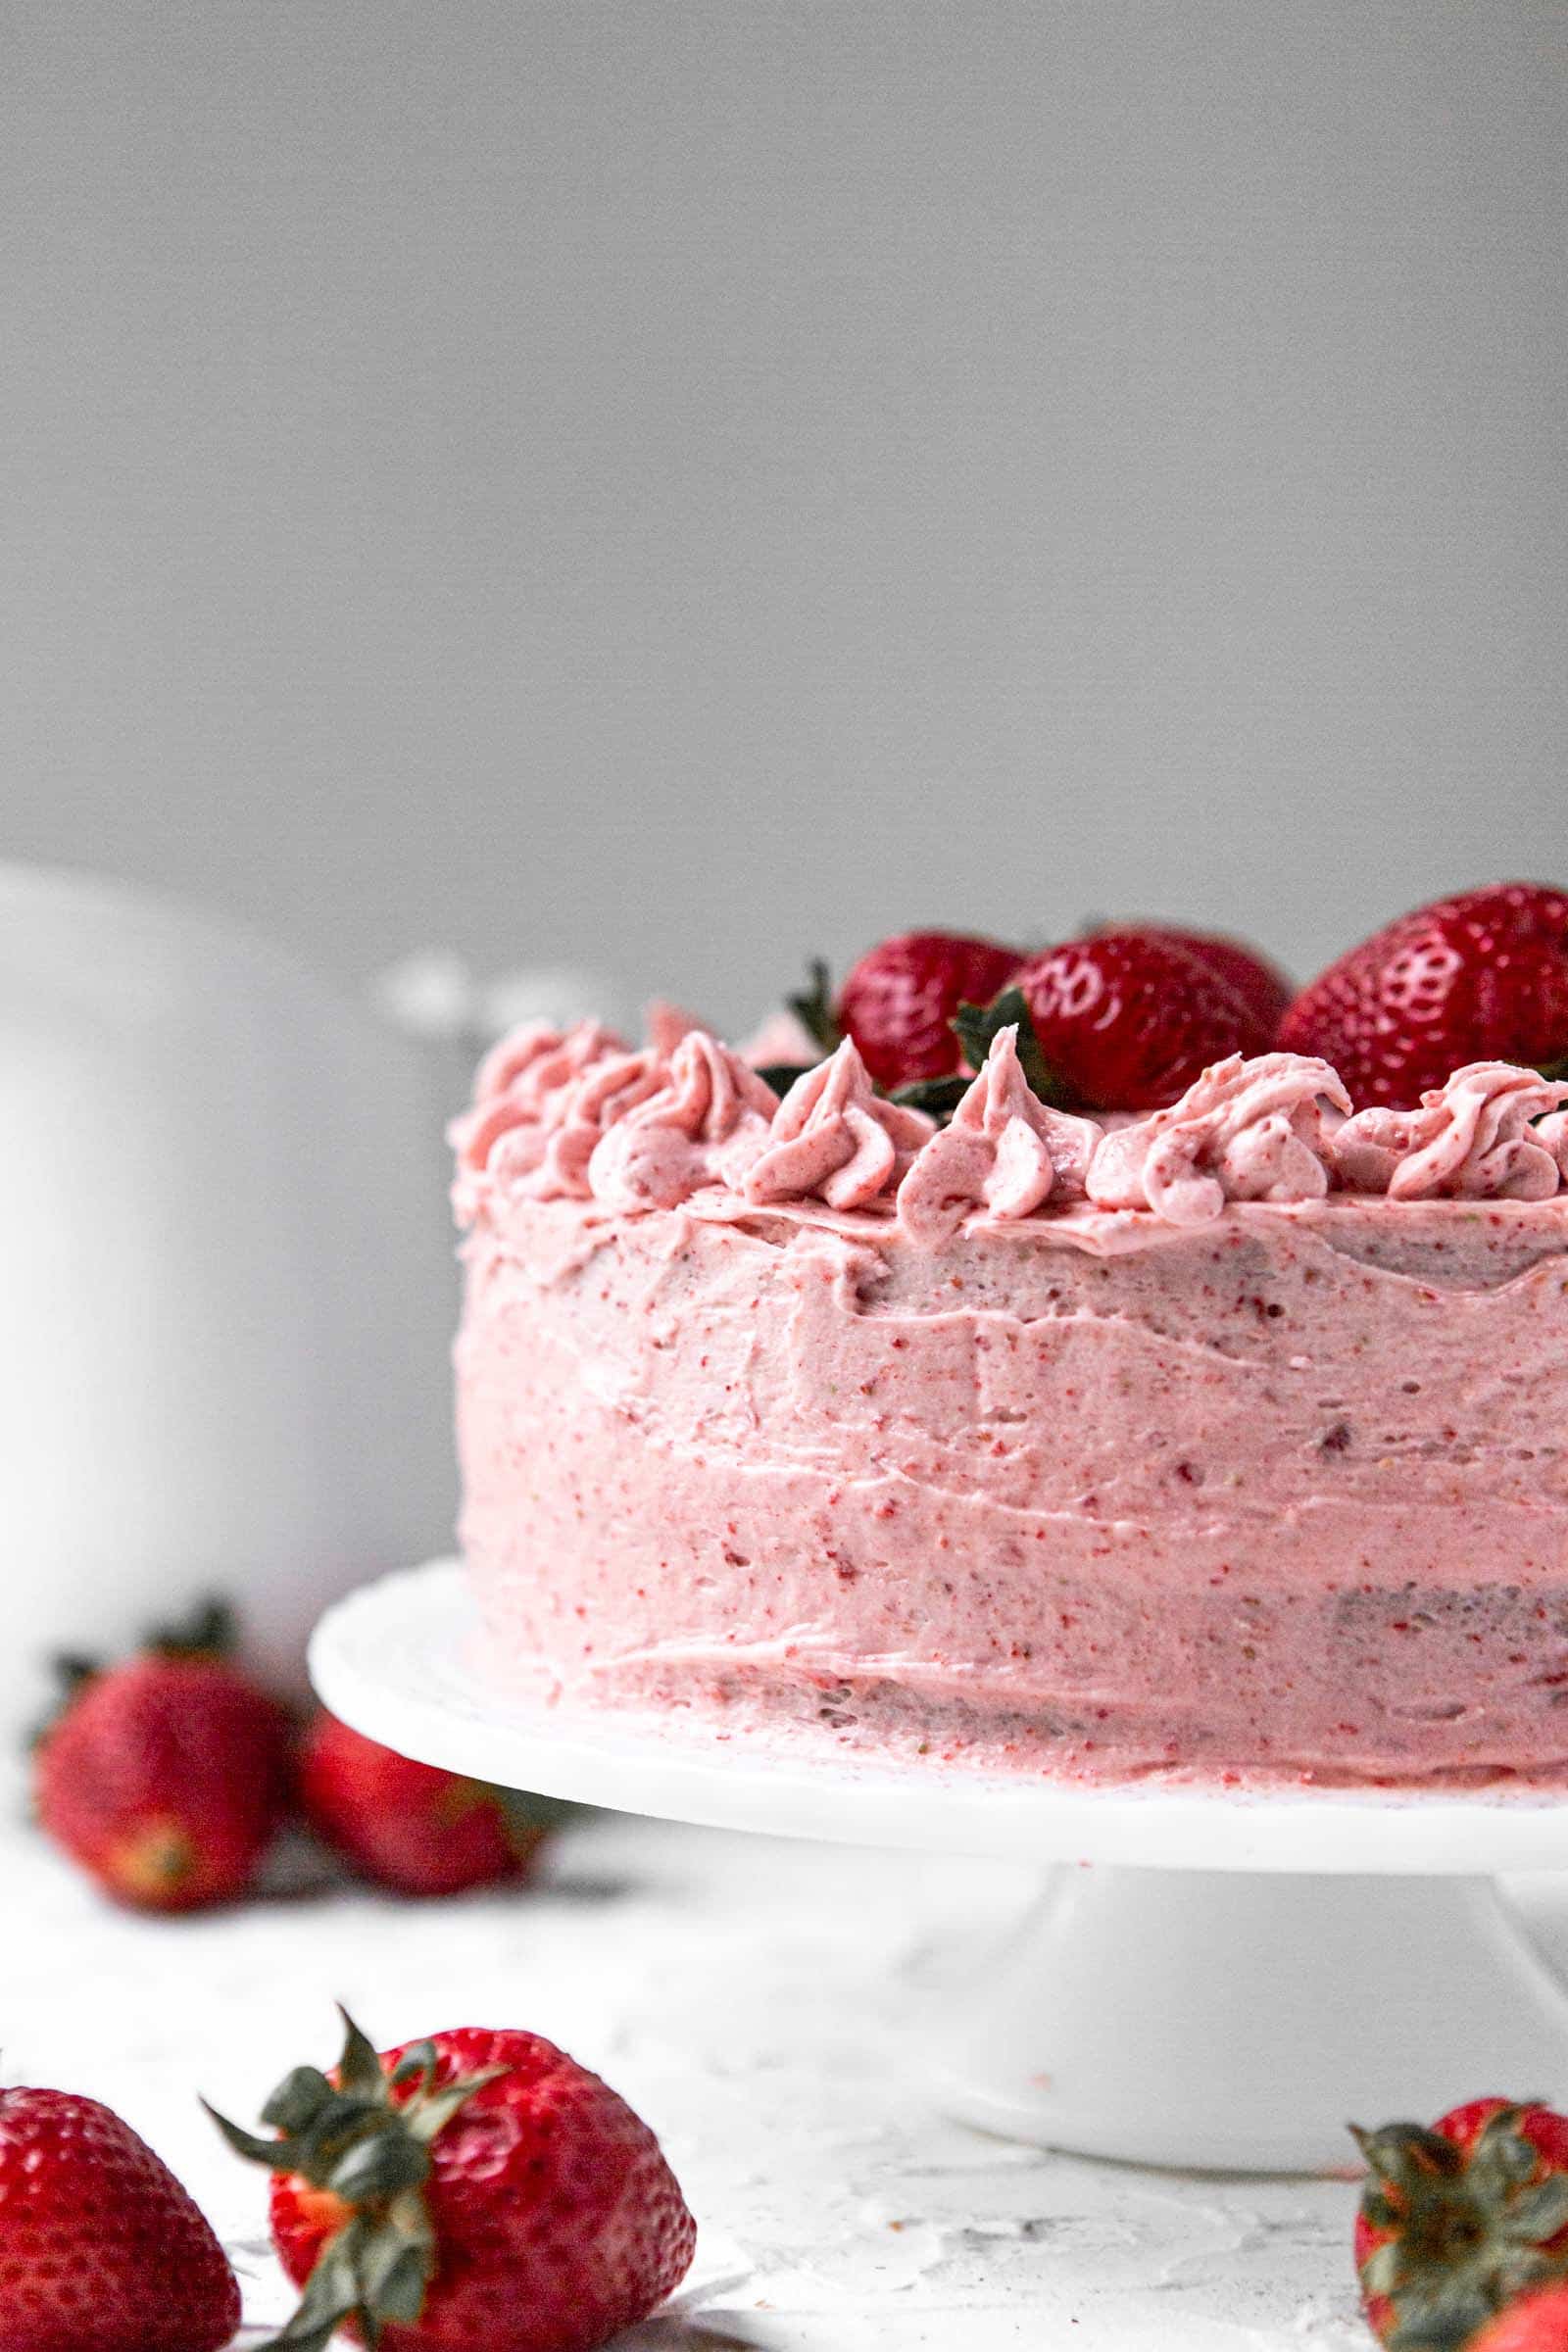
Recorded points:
1262,985
165,1777
900,1002
101,2250
474,2188
1126,1018
1483,977
1460,2220
411,1827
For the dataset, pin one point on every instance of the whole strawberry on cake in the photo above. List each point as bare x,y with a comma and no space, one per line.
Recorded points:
1092,1361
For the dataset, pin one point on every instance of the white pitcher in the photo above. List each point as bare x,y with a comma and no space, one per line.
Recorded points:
225,1288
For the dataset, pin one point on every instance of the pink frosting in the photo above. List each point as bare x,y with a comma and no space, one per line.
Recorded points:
543,1098
1471,1139
519,1094
530,1065
1280,1494
1128,1487
707,1124
549,1107
835,1139
552,1163
1004,1152
1553,1134
783,1038
666,1024
1243,1131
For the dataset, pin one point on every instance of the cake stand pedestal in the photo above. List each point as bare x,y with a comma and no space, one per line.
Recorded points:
1208,1977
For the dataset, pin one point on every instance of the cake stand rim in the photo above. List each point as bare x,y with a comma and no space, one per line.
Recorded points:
388,1659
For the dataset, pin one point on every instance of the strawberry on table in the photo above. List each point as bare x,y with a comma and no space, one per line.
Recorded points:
411,1826
1482,977
1460,2220
165,1777
1537,2323
1127,1018
101,2250
900,1001
477,2189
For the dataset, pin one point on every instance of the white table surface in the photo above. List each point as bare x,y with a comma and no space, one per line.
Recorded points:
746,1994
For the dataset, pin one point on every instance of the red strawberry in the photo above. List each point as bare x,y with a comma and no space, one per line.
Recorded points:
409,1825
1126,1019
165,1777
1262,985
899,1002
1537,2323
1460,2220
474,2188
1483,977
101,2250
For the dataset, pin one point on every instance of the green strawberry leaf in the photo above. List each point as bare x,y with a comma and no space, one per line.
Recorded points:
814,1008
372,2152
359,2069
273,2153
781,1075
210,1631
940,1097
435,2110
299,2100
976,1025
378,2166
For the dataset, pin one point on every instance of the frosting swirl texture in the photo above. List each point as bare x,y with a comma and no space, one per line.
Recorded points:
542,1100
521,1096
707,1123
1254,1130
833,1137
1471,1139
1005,1150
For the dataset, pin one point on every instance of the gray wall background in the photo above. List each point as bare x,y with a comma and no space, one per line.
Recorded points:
683,484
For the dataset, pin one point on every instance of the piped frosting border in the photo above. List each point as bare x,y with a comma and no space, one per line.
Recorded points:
579,1114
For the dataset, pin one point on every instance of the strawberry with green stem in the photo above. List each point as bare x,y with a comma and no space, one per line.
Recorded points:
165,1776
1459,2220
899,1002
1122,1018
474,2188
1126,1018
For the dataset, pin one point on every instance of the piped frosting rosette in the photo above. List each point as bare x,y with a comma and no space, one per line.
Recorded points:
1477,1137
1004,1152
546,1103
578,1114
834,1139
708,1123
1254,1130
512,1135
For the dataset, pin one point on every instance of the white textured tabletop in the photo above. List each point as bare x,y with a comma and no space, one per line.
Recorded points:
749,1996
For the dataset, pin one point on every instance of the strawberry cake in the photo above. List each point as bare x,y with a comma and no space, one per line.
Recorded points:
1134,1372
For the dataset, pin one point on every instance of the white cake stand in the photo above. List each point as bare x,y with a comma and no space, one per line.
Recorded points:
1208,1979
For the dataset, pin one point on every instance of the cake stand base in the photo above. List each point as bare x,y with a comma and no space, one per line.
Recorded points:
1207,2018
1209,1977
